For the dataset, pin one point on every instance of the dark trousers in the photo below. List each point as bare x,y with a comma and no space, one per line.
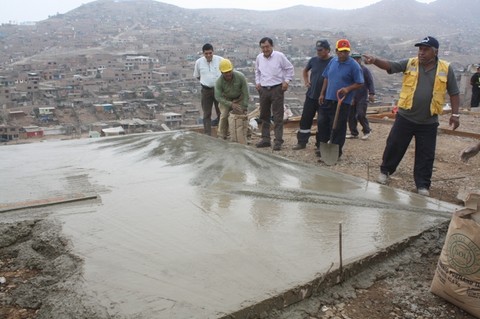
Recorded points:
358,114
326,115
310,108
475,98
208,100
271,104
398,140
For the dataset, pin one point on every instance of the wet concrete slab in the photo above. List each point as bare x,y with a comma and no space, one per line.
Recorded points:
188,226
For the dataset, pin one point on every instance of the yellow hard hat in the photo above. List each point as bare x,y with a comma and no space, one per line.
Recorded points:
225,66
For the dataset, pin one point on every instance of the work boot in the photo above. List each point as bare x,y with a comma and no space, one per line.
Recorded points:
299,146
207,126
263,144
423,191
382,179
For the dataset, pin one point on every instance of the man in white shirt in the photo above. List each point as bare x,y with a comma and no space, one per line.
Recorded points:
207,71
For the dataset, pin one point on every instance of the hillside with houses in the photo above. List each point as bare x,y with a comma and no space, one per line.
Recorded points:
130,63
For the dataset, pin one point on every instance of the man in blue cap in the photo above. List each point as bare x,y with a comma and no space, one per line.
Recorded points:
426,80
313,79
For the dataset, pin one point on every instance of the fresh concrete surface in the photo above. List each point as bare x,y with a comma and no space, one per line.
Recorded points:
188,226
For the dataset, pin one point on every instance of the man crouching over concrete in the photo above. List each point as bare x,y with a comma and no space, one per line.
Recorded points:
231,91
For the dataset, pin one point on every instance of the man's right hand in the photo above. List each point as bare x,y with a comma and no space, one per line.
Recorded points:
237,109
321,99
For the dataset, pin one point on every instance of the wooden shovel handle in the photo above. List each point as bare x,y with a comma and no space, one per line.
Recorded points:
339,103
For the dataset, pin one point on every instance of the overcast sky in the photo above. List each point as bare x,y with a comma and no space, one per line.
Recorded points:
36,10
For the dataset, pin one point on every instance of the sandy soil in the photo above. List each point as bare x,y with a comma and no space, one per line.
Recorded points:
39,270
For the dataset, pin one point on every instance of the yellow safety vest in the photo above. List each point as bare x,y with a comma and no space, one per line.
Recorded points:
410,79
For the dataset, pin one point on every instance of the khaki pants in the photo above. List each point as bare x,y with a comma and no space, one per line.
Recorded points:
223,123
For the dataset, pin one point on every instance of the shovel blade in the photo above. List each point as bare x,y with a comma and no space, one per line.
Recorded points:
329,153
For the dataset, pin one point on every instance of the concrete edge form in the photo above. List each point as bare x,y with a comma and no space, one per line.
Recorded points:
323,282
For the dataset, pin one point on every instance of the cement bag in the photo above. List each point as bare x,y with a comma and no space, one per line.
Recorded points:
457,277
238,127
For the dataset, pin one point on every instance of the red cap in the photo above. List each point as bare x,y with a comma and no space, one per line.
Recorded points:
342,45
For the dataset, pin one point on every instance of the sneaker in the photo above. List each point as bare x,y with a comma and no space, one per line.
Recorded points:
299,146
382,179
277,147
423,191
263,144
215,122
350,136
365,136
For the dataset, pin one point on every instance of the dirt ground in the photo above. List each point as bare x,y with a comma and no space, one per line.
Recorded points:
36,268
451,178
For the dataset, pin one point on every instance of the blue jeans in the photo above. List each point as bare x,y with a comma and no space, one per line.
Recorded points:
398,141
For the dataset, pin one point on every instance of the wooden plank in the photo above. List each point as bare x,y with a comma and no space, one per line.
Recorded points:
449,131
293,123
379,109
44,202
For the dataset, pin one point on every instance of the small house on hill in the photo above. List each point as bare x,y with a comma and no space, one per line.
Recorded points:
31,132
113,131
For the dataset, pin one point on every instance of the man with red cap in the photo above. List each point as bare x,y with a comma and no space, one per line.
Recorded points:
341,77
426,80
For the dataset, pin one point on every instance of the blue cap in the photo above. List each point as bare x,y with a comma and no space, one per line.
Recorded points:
322,44
429,41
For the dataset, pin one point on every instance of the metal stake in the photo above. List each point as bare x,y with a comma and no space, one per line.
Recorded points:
340,250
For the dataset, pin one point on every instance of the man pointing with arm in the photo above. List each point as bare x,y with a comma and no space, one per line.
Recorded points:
426,79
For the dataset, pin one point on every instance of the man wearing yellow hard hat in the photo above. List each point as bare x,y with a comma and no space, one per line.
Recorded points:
231,91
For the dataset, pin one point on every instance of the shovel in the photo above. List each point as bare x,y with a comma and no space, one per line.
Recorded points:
329,151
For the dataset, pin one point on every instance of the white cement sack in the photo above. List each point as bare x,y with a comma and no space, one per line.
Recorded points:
457,277
238,127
